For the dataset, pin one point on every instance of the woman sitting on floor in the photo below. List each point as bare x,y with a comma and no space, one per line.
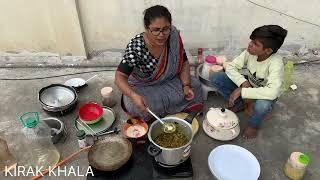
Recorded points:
155,71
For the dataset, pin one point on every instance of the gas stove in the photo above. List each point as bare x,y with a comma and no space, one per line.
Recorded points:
143,166
183,170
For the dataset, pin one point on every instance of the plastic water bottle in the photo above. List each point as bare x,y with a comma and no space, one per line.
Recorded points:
39,151
199,57
287,79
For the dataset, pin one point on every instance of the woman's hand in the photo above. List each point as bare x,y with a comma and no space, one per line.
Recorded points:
186,81
139,102
188,93
234,96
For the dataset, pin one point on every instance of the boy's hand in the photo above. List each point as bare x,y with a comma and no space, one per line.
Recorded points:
246,84
234,96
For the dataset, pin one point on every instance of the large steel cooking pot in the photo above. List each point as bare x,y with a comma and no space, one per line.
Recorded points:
170,157
58,98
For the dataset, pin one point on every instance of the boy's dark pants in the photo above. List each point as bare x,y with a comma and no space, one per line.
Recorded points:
225,86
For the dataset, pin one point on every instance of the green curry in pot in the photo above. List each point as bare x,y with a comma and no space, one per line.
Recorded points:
171,140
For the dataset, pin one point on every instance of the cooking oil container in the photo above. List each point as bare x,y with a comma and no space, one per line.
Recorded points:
296,165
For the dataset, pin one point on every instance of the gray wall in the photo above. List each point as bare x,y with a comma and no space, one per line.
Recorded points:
206,23
55,26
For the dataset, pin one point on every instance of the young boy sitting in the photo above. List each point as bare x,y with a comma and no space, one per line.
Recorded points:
264,80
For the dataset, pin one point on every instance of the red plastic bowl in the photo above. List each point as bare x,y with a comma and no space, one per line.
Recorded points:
90,112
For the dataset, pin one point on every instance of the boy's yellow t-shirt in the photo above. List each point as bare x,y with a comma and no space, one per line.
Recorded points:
265,76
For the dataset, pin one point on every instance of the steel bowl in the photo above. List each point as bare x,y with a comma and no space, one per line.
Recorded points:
57,128
202,79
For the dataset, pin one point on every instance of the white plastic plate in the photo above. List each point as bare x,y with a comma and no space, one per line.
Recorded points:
232,162
75,82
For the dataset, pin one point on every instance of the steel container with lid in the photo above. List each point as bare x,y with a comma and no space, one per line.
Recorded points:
221,124
58,99
208,63
108,98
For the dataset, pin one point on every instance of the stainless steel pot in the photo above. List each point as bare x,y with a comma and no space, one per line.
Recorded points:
201,78
58,98
170,157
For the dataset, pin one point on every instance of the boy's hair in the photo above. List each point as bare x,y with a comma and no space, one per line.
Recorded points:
271,36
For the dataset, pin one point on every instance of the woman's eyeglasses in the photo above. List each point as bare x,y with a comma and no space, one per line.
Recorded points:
156,32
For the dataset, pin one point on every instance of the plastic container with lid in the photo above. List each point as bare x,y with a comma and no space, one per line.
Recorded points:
107,97
39,151
208,63
296,165
287,79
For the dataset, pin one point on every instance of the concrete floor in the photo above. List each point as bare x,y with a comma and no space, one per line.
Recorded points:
295,125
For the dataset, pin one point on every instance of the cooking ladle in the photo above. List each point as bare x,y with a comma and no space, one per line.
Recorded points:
168,127
91,78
